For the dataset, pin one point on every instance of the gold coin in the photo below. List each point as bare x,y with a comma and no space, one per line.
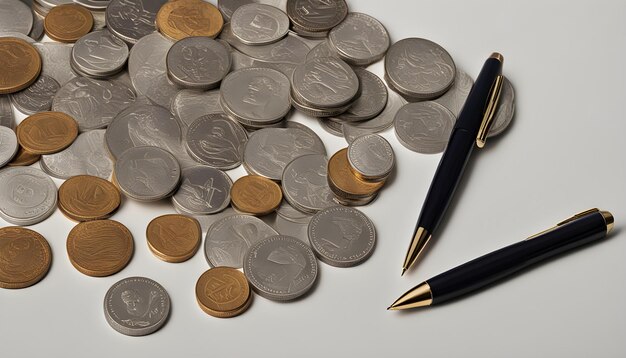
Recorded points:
223,292
25,257
173,237
47,132
24,158
68,23
255,195
341,177
185,18
20,65
99,248
85,197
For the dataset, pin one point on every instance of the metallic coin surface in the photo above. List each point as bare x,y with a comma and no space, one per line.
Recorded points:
96,5
37,31
344,183
228,239
7,119
325,82
323,49
228,7
360,39
184,18
316,16
25,257
198,63
505,111
424,127
100,54
371,157
174,238
305,183
342,237
131,20
55,59
37,97
21,65
333,127
68,22
136,306
203,191
100,248
190,105
288,212
85,198
384,120
28,196
8,145
281,268
23,158
259,24
223,292
372,100
47,132
216,140
255,195
455,98
15,16
93,103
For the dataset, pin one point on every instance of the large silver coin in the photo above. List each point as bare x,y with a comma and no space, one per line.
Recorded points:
424,127
131,20
419,68
505,111
305,183
27,195
55,60
228,7
136,306
86,156
229,238
371,157
325,82
148,71
360,39
315,16
280,268
96,5
15,16
7,118
456,96
100,54
190,105
93,103
258,24
323,49
216,140
203,191
372,100
8,145
37,97
341,236
198,62
384,120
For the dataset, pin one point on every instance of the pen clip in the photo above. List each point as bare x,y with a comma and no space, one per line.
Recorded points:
567,221
490,110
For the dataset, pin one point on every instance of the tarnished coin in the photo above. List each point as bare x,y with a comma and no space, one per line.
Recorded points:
360,39
228,7
384,120
325,82
259,24
372,100
7,119
28,196
190,105
198,63
223,292
456,96
342,237
15,16
23,158
55,58
147,173
174,238
131,20
344,183
68,22
371,157
255,195
316,16
86,198
505,111
37,97
203,191
136,306
281,268
424,127
100,248
305,183
216,140
26,257
419,68
47,132
99,54
229,238
184,18
20,65
8,145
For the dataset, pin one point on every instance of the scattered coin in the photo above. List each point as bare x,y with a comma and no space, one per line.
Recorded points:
259,24
37,97
305,183
190,105
424,127
68,22
216,140
15,16
223,292
316,16
456,96
359,39
132,20
370,103
255,195
26,257
55,58
323,49
184,18
6,112
344,183
86,198
197,63
99,54
228,7
21,66
384,120
291,214
203,191
8,145
23,158
174,238
47,132
505,111
27,195
371,157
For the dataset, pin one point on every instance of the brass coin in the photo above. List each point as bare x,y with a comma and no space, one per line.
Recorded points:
20,65
85,198
25,257
68,22
24,158
255,195
341,177
185,18
47,132
223,292
100,248
173,237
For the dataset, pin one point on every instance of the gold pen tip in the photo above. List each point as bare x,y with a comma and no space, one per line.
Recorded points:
498,56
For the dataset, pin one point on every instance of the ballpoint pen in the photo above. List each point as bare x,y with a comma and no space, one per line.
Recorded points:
470,130
589,226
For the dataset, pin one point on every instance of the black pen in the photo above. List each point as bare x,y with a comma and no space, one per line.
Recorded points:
470,130
586,227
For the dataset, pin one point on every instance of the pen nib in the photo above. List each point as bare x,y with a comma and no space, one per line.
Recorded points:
403,271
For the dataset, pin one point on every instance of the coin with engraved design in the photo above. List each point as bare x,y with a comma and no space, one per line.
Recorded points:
197,63
174,238
203,191
86,198
8,145
316,16
360,39
190,105
371,101
255,195
99,54
325,83
259,24
223,292
27,195
55,58
15,16
68,22
228,7
47,132
371,157
131,20
21,65
216,140
305,183
25,257
184,18
37,97
424,127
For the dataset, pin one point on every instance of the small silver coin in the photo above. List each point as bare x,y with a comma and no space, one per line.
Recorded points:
136,306
384,120
131,20
315,16
305,183
505,111
456,96
325,82
360,39
342,237
372,100
8,145
86,156
190,105
258,24
95,5
147,173
37,97
55,60
36,33
198,63
203,191
229,238
15,16
100,54
280,268
323,49
147,67
228,7
216,141
27,195
7,119
371,156
424,127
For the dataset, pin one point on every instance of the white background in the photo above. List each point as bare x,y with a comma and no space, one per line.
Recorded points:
564,153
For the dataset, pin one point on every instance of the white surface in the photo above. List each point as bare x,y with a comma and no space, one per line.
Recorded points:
564,153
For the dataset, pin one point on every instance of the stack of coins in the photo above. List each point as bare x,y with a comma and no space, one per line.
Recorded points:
223,292
312,20
99,54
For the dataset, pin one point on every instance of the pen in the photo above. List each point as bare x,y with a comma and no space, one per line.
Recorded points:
586,227
470,130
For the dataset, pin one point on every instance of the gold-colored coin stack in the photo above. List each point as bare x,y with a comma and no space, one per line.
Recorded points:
174,238
349,188
223,292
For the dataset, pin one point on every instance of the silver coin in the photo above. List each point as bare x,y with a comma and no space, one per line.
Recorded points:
228,7
37,97
198,62
304,33
289,213
258,24
18,35
203,191
216,140
360,39
323,49
241,61
344,201
15,16
55,59
371,156
332,127
189,105
315,16
36,33
96,5
8,145
52,3
143,125
100,54
384,120
7,119
229,238
136,306
305,183
28,196
456,96
419,68
325,82
147,173
148,71
280,268
372,100
342,237
86,156
131,20
424,127
93,103
505,111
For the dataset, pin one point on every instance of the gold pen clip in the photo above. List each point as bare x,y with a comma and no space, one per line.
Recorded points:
492,105
566,221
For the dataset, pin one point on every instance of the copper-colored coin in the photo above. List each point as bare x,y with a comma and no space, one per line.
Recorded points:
24,158
173,237
341,177
85,198
25,257
223,292
20,65
68,23
47,132
100,248
185,18
256,195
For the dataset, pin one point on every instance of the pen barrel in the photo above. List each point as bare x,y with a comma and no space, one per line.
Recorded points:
499,264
